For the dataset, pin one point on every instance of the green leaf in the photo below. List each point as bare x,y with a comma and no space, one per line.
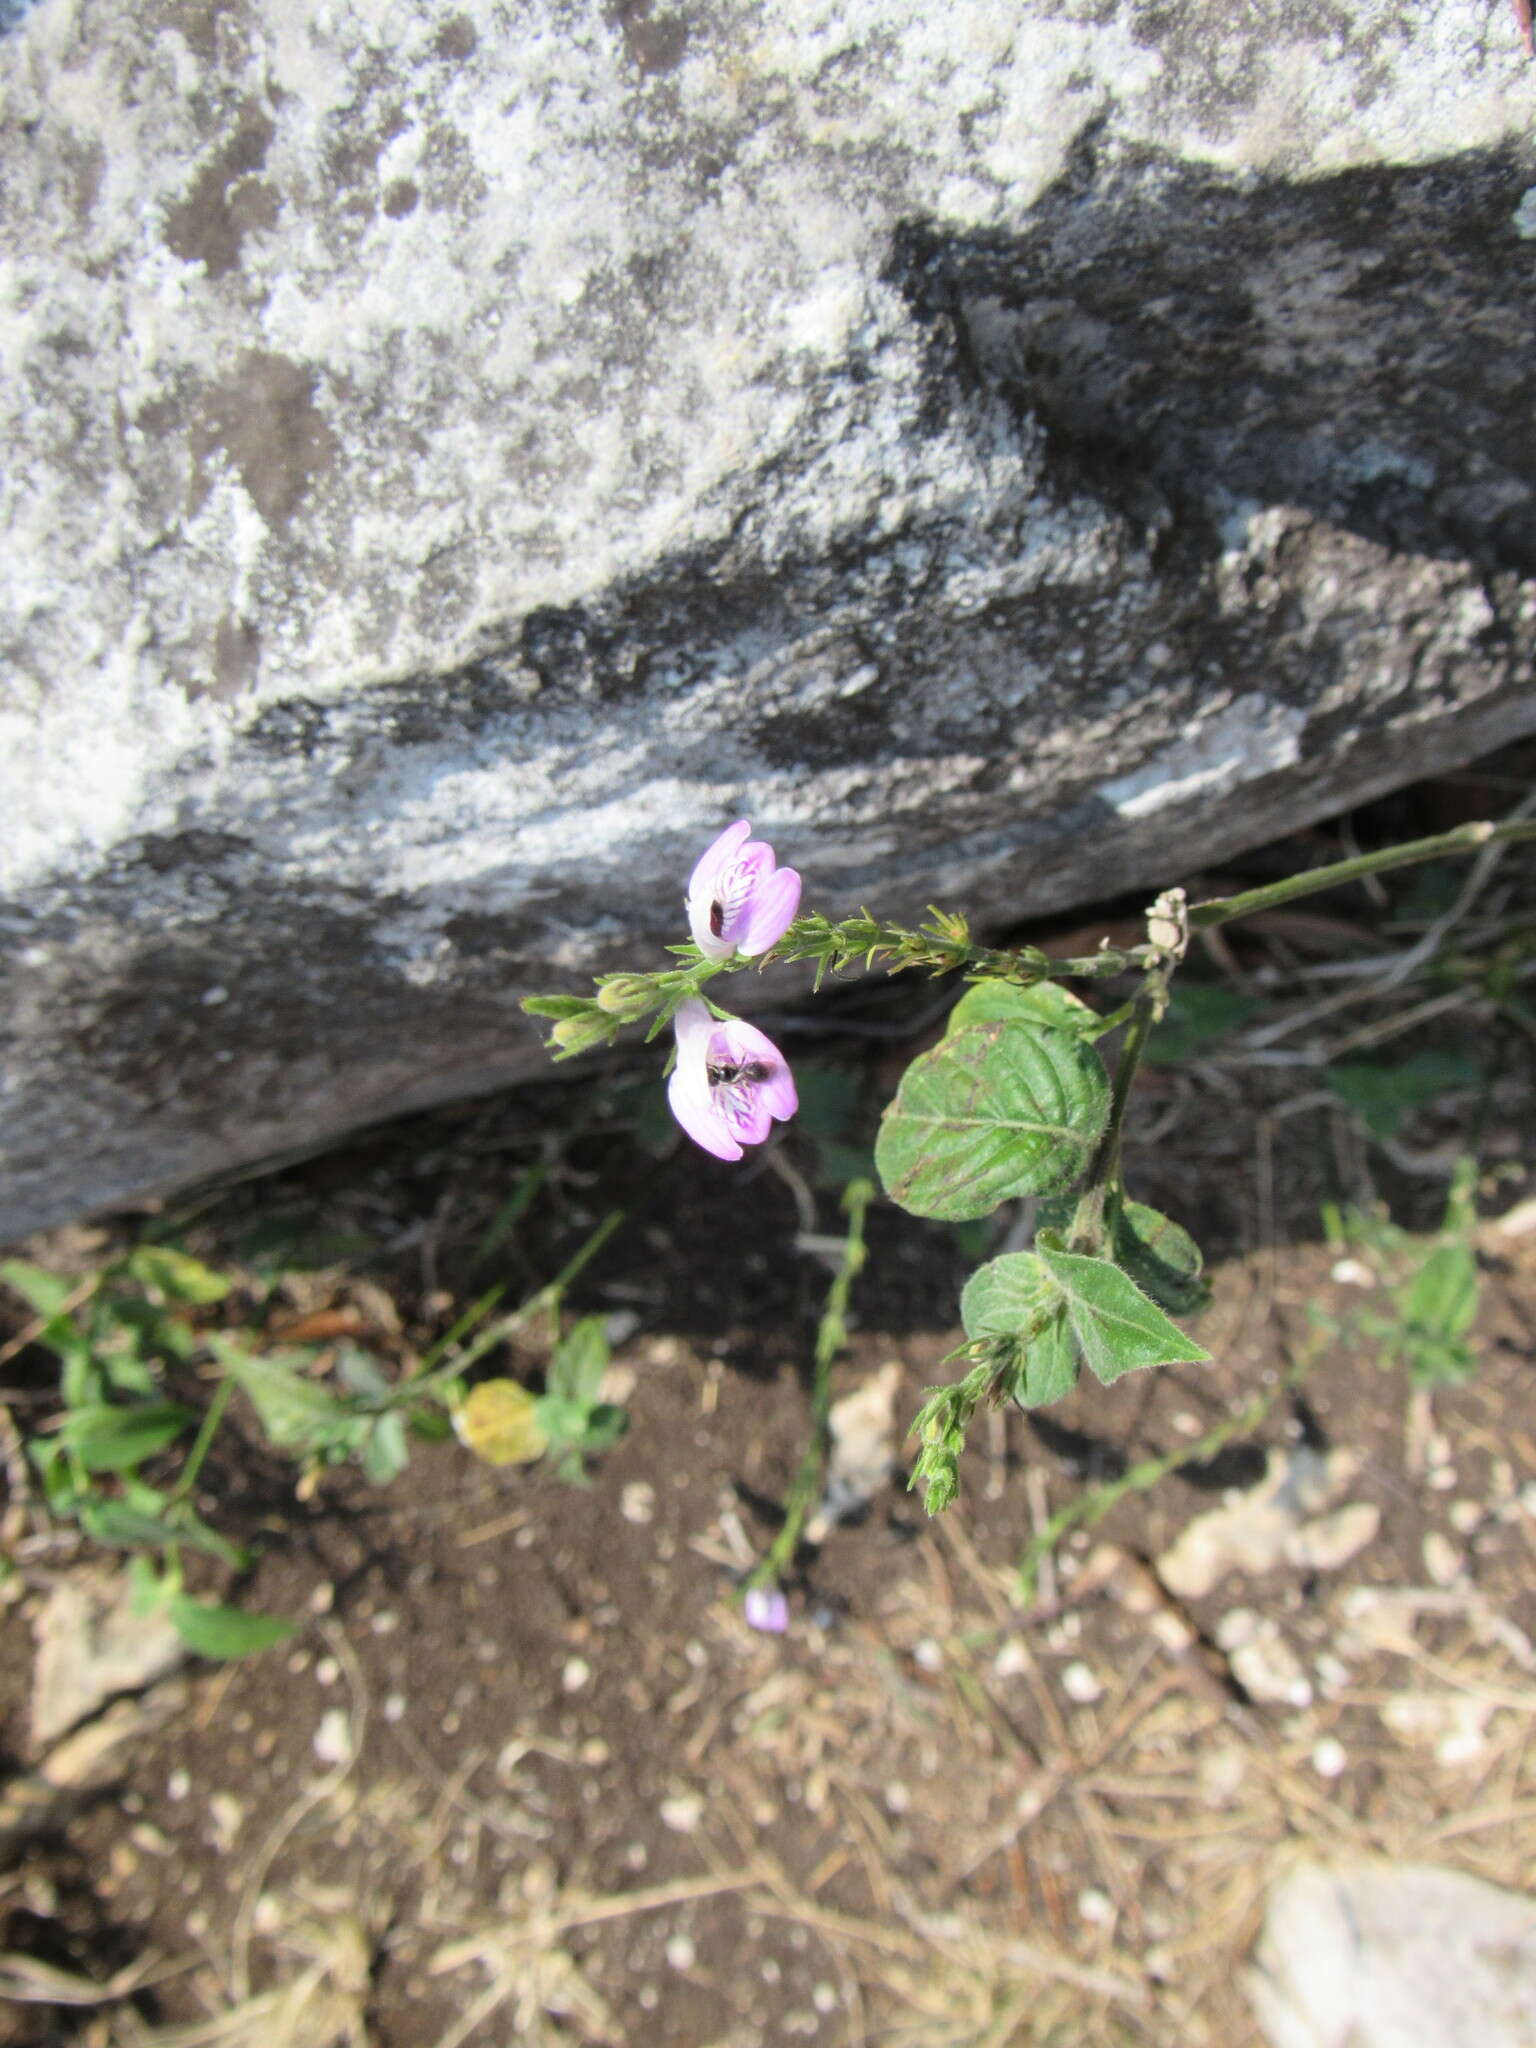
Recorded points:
148,1588
994,1111
1200,1014
44,1293
1117,1328
106,1438
1013,1299
297,1413
360,1374
386,1453
123,1527
1162,1258
176,1274
1010,1296
606,1423
222,1632
577,1368
1381,1096
561,1420
1004,1002
1442,1299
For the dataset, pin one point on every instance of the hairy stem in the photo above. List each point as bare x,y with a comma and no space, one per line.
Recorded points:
1463,839
831,1336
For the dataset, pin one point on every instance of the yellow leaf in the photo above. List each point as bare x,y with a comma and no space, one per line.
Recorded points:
498,1421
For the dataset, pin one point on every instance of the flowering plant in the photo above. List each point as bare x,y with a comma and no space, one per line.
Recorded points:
1015,1101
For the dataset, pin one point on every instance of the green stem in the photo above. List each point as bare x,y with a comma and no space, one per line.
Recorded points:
831,1336
548,1297
1463,839
1104,1175
1089,1509
205,1436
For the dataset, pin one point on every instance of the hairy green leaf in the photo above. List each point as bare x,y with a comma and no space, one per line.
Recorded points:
1004,1002
994,1111
1162,1258
1117,1328
1013,1299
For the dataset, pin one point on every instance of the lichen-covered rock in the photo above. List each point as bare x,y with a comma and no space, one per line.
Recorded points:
456,457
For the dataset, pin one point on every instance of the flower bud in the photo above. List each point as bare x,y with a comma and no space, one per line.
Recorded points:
626,996
578,1034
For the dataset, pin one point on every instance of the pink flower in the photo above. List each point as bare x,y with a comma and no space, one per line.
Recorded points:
739,900
730,1082
766,1608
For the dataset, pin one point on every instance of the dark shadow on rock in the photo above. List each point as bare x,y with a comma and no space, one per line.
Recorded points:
1359,344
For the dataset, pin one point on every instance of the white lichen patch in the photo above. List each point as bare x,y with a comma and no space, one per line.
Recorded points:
1234,745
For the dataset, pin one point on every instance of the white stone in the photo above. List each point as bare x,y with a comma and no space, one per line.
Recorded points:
1381,1955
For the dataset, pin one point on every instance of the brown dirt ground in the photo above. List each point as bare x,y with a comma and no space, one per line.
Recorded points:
583,1801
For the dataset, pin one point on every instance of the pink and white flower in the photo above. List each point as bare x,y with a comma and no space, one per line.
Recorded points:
731,1082
739,899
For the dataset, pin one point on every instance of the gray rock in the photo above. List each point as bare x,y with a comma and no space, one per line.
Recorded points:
93,1643
456,458
1383,1955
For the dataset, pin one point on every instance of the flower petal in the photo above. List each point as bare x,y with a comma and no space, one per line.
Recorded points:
697,1114
771,912
689,1095
719,854
704,887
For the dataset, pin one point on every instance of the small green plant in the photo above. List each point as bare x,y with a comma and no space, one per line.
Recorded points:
1015,1102
125,1456
1433,1292
503,1423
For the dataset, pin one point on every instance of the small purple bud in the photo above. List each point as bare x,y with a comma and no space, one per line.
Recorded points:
731,1083
739,900
766,1608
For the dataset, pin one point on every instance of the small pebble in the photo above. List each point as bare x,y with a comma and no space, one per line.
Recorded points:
897,1797
394,1707
928,1655
682,1813
333,1738
1079,1683
1353,1273
1442,1560
322,1598
576,1674
178,1785
327,1671
1329,1758
824,1998
1465,1516
1012,1660
637,1501
681,1954
385,1623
